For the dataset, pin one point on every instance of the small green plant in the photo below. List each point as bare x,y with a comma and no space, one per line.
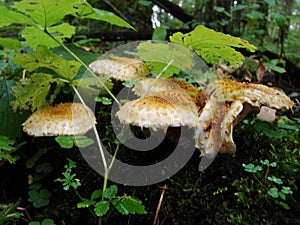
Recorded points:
6,149
101,200
269,185
38,195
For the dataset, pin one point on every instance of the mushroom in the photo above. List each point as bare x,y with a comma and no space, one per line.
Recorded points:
120,68
160,110
226,101
62,119
148,86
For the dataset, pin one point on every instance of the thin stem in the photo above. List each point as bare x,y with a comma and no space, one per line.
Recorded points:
94,129
85,66
158,76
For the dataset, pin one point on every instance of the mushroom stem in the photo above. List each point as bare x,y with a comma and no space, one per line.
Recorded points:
94,129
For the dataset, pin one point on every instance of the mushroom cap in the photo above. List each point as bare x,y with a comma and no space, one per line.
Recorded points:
254,94
160,110
120,68
62,119
229,101
148,86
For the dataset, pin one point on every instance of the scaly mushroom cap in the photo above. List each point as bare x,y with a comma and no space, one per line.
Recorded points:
160,110
120,68
254,94
227,101
62,119
148,86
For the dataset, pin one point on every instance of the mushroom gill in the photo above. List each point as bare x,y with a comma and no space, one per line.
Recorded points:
62,119
228,101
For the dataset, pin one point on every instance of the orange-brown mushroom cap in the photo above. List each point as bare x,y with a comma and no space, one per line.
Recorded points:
160,111
62,119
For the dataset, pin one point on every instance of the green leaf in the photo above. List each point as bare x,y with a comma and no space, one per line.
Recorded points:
5,144
10,43
35,36
44,58
145,2
10,122
251,168
104,100
273,192
65,141
275,180
9,17
213,46
96,194
159,34
129,205
35,92
83,141
85,204
69,141
48,222
39,198
275,68
34,223
159,55
86,11
110,192
101,208
286,190
46,13
282,195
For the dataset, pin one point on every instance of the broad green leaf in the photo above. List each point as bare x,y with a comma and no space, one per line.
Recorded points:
159,34
129,205
35,92
101,208
83,141
44,12
10,121
159,55
34,223
39,198
213,46
85,204
85,56
86,11
35,36
65,141
96,194
275,68
44,58
9,17
110,192
10,43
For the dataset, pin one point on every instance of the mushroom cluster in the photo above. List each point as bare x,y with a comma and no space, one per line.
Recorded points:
211,113
228,101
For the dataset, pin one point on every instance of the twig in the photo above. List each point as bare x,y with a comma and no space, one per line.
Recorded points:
164,188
